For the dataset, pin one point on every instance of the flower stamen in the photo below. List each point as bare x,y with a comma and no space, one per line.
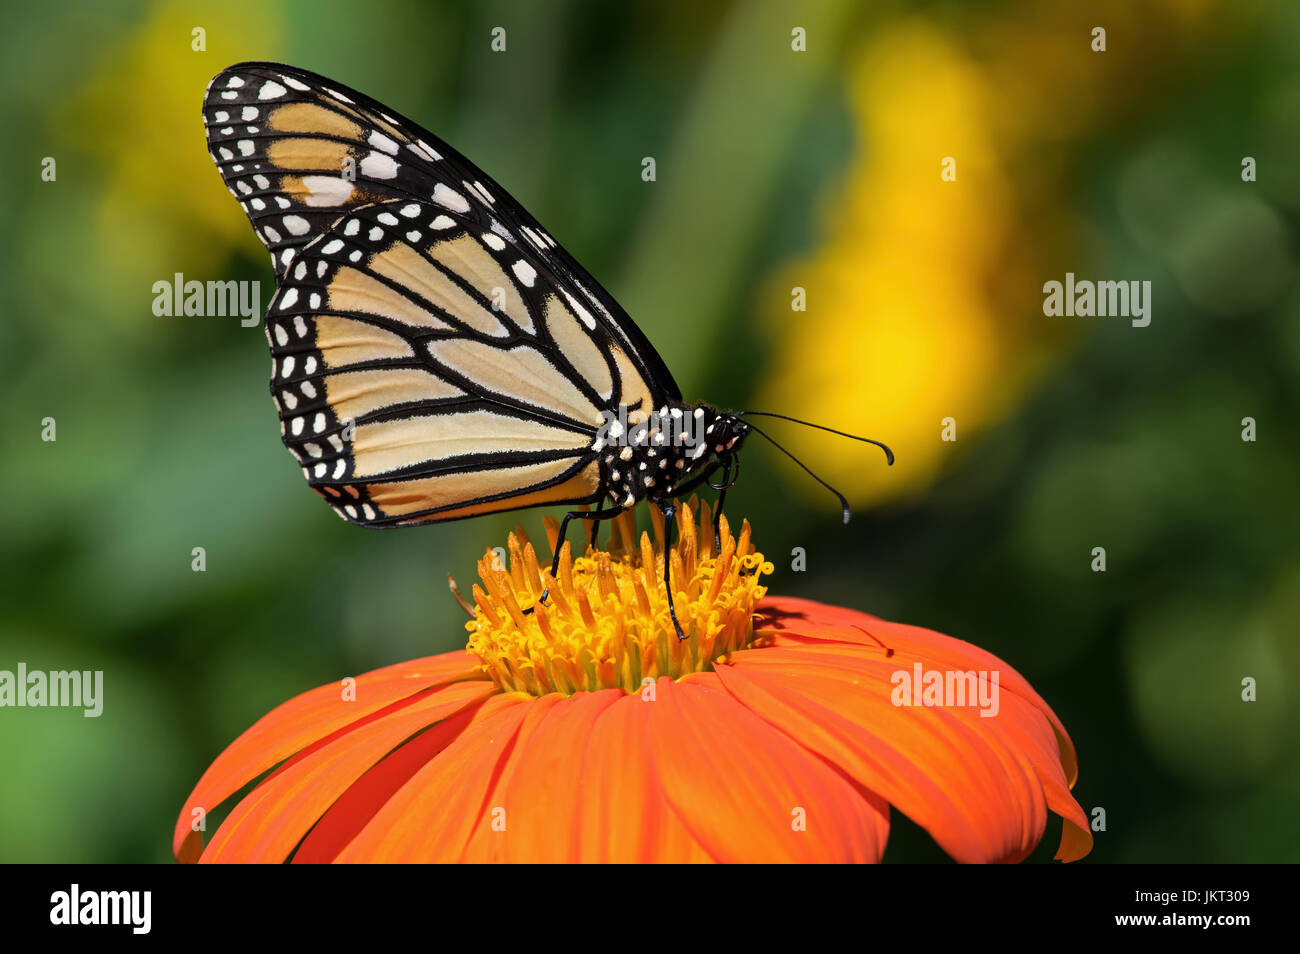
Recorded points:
605,622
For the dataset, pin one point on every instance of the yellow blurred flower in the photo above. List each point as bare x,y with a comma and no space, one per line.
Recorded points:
162,207
924,303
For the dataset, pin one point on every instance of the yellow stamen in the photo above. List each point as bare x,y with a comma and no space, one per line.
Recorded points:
605,622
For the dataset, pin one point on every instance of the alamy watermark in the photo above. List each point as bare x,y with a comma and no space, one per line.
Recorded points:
1102,299
931,688
213,299
58,689
666,427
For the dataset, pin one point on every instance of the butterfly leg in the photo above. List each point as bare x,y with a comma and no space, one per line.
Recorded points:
670,524
597,516
730,472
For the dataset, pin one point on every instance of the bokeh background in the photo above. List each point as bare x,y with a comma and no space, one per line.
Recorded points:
775,169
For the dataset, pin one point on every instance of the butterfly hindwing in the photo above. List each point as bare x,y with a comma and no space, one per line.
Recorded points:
425,370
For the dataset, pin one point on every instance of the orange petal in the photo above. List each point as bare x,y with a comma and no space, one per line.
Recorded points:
978,785
623,815
542,793
819,621
747,792
432,816
358,805
267,824
304,720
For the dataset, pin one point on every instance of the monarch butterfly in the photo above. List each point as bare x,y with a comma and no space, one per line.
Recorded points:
435,354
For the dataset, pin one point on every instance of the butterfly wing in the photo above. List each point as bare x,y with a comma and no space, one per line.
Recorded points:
297,149
427,370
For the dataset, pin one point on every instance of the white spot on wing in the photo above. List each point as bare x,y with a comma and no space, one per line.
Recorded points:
378,166
327,190
525,272
449,198
380,141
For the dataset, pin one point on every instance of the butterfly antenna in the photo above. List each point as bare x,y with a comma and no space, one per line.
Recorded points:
843,502
889,454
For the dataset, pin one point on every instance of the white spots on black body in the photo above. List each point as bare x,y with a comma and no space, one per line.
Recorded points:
271,90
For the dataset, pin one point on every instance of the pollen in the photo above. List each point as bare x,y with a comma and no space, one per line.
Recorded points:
604,623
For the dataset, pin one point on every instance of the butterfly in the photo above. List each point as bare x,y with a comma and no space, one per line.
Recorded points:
435,353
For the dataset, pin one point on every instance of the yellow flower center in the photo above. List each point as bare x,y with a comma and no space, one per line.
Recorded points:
605,623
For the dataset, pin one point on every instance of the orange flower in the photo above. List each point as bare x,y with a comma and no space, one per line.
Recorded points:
778,730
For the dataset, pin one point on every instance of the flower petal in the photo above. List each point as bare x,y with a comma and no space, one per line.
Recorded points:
819,621
623,813
747,792
432,817
358,805
304,720
977,784
542,792
267,824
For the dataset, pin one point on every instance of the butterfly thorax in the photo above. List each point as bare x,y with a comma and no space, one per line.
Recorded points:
648,456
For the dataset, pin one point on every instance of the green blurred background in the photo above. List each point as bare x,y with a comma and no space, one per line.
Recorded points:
775,169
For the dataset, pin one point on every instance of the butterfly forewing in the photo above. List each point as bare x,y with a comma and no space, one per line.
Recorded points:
298,150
